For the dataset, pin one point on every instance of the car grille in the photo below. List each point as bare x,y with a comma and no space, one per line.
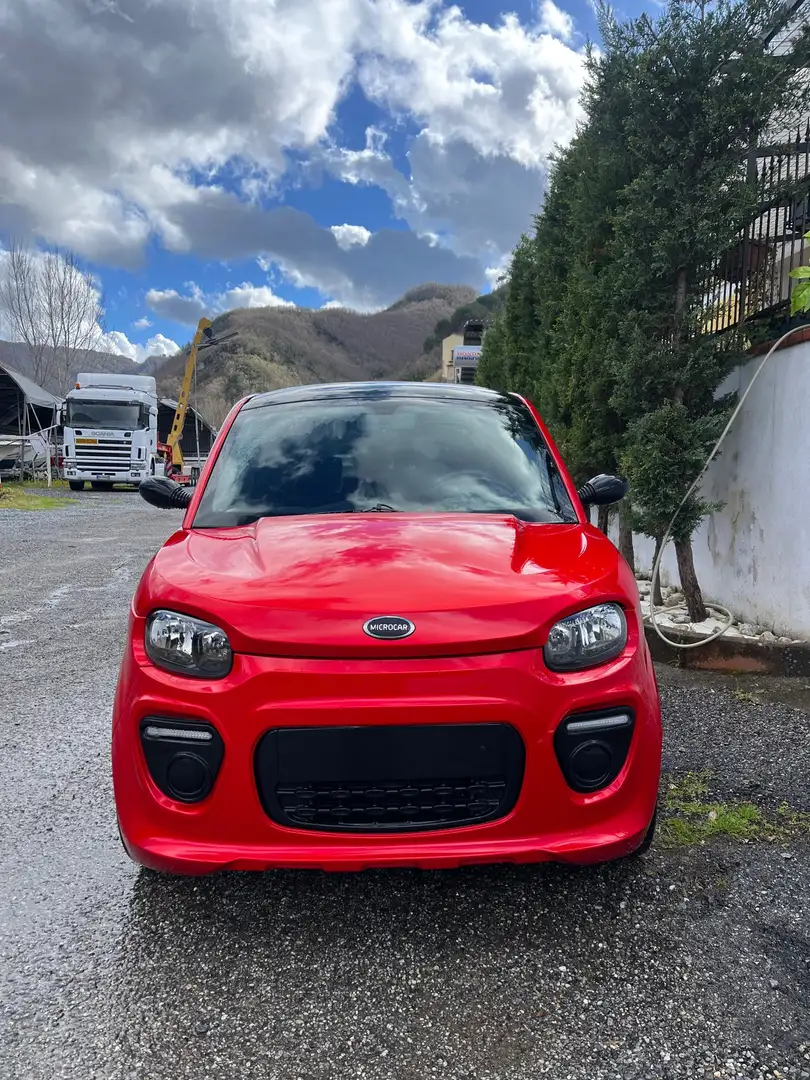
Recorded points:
107,454
389,779
392,805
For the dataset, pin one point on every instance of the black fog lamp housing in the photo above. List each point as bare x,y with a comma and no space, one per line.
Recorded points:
183,756
592,747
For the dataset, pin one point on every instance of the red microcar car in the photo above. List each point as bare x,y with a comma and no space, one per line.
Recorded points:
384,635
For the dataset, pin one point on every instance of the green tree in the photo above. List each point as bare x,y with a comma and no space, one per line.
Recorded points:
651,192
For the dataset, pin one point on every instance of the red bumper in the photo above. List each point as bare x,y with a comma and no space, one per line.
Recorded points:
231,830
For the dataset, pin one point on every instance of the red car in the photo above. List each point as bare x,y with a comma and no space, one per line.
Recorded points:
385,635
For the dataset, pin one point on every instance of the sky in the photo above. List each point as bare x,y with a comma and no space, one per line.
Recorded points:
202,155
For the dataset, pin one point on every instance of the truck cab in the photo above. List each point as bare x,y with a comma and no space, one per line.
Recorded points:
110,430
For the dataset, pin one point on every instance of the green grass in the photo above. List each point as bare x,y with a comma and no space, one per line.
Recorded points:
14,497
690,817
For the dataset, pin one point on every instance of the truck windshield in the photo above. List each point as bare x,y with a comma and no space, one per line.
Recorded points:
114,415
352,454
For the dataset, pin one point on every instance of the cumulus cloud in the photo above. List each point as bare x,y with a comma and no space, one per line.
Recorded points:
349,235
142,323
364,277
122,139
191,307
119,344
556,21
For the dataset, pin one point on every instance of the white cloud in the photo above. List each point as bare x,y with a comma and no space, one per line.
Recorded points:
142,324
119,344
349,235
511,89
556,21
495,274
476,204
247,295
189,309
125,140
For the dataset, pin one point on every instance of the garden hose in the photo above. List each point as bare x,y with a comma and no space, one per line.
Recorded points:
718,609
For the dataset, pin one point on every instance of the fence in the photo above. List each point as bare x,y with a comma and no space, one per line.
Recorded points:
750,282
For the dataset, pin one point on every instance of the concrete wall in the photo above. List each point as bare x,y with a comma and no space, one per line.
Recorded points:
754,555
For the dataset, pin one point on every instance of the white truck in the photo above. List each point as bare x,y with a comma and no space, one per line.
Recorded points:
110,430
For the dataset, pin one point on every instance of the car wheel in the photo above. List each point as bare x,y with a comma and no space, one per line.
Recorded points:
76,485
649,836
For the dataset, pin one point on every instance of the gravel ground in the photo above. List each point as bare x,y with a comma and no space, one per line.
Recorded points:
686,963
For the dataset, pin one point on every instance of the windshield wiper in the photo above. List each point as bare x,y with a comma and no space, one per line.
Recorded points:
380,508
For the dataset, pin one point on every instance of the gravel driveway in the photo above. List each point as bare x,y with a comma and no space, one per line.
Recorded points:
691,962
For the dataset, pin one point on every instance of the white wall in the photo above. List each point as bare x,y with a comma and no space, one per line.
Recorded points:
754,556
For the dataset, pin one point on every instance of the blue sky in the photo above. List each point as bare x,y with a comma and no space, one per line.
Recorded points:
207,154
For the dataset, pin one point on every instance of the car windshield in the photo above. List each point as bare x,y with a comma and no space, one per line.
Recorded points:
114,415
382,453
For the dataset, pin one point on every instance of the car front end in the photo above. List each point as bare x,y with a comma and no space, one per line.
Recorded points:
342,691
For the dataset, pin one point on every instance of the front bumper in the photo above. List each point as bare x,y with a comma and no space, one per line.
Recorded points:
114,475
231,828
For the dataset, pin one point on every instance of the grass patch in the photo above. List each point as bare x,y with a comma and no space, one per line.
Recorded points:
746,697
691,818
13,497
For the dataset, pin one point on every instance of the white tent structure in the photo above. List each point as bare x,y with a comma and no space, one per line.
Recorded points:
29,417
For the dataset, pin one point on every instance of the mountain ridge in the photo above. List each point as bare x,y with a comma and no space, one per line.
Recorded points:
277,347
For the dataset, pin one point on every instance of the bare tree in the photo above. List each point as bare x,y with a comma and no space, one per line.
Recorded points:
22,305
53,305
74,312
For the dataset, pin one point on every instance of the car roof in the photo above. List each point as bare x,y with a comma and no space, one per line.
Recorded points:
372,390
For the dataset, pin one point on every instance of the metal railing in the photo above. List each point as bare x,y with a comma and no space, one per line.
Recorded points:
750,281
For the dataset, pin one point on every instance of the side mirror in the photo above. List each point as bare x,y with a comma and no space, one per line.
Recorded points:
164,493
603,490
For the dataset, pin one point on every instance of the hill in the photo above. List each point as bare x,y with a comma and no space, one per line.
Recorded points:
276,347
15,355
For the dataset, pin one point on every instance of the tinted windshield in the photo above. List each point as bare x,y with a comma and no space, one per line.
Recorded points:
409,454
116,415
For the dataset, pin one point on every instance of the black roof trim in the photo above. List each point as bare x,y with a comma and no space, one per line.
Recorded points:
371,390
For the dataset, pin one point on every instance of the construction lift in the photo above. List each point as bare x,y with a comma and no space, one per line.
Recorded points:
171,450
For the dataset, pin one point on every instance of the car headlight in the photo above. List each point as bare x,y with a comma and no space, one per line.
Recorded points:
187,646
586,639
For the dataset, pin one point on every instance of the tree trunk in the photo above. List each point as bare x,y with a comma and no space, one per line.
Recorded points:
626,535
603,520
689,582
657,597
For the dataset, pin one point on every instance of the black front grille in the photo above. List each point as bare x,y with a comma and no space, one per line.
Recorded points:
389,779
425,803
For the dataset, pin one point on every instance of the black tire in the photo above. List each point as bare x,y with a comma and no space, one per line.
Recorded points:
76,485
101,485
649,836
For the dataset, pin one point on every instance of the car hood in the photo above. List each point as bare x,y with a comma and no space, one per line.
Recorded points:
305,586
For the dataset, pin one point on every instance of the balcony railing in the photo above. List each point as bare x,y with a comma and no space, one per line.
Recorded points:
750,282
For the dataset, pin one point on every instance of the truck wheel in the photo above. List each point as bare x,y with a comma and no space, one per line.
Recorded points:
101,485
76,485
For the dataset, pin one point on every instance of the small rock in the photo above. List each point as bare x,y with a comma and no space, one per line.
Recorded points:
773,984
769,636
673,600
201,1029
786,855
679,620
784,641
748,629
